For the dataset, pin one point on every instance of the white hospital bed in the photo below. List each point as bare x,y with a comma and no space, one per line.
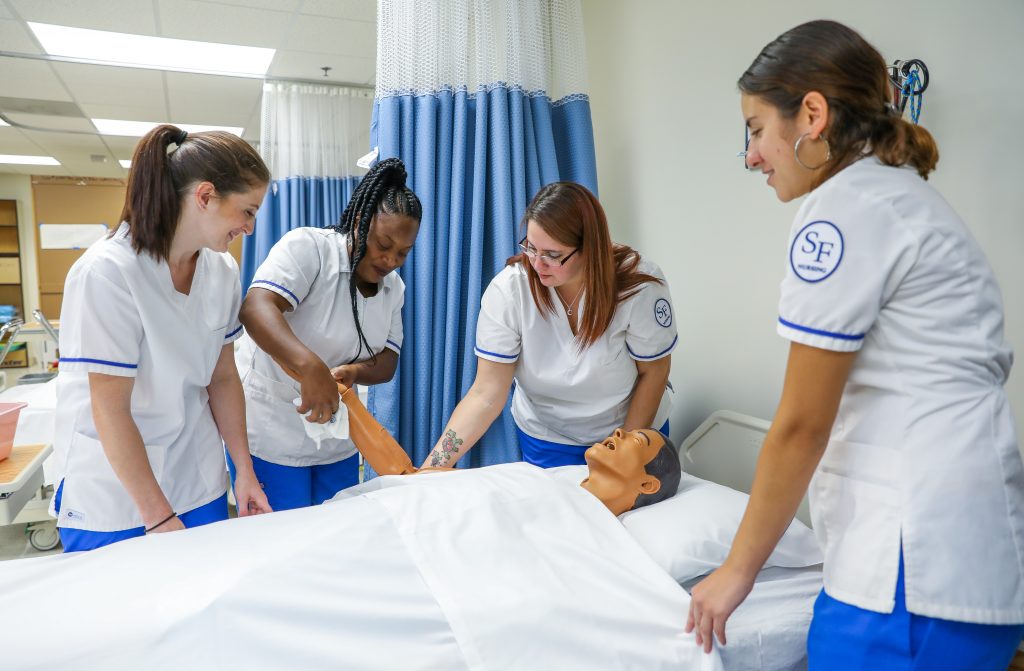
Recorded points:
768,632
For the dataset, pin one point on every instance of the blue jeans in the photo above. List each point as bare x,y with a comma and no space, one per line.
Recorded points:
843,637
81,540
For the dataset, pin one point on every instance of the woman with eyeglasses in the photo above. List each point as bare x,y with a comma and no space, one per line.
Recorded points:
893,398
324,307
585,327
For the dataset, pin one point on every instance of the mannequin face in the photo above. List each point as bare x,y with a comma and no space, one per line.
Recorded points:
617,465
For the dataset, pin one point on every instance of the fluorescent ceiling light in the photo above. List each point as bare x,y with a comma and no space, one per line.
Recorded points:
142,51
140,128
4,123
28,160
125,163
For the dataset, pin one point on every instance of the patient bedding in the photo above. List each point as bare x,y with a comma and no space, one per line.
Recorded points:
505,567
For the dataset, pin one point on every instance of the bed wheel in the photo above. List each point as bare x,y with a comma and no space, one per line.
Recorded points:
43,537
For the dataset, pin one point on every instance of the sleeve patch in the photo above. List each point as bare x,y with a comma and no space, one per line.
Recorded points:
663,312
817,251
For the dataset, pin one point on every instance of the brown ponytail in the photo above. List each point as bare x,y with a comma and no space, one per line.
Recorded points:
167,162
834,60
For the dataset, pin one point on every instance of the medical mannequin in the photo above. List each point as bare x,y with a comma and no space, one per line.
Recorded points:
893,397
327,304
626,470
148,395
585,328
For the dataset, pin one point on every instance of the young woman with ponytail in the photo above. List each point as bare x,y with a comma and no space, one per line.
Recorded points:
148,393
325,307
893,397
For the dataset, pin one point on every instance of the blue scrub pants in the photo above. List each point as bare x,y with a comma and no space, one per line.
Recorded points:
847,638
80,540
547,454
289,487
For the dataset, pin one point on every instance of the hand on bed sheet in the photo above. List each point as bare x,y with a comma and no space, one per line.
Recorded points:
249,495
713,600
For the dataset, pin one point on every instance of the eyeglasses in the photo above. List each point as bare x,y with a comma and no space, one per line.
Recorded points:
548,258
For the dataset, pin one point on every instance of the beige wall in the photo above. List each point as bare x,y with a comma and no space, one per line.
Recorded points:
667,127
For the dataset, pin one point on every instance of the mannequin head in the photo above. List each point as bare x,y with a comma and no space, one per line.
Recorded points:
632,469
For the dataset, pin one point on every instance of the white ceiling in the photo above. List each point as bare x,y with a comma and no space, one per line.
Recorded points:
307,34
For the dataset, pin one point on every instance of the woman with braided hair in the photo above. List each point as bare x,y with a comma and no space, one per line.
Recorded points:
324,307
148,387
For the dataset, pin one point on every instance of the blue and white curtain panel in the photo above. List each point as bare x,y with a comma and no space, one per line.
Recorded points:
311,136
486,102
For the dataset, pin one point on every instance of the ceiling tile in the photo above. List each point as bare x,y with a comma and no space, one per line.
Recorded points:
123,16
306,65
280,5
204,99
356,10
14,141
30,79
224,24
112,85
332,36
54,123
140,111
15,36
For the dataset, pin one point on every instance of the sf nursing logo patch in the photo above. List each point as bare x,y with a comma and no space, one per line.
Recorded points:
663,312
816,251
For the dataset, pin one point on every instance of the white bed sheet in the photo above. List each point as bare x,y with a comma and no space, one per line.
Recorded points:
768,632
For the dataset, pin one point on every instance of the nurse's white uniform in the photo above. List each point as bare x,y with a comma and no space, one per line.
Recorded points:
923,450
122,316
563,395
310,268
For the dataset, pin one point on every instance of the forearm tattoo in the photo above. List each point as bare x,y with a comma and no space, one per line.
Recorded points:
449,446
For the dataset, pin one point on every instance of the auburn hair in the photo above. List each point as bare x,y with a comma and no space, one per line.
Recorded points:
572,215
835,61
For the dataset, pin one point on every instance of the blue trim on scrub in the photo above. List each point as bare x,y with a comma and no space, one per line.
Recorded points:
846,637
81,540
830,334
394,344
503,356
289,487
64,359
548,454
274,284
233,332
653,356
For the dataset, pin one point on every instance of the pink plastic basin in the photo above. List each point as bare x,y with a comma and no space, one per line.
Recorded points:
8,423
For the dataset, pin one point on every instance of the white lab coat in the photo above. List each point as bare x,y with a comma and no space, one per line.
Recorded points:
310,268
923,451
564,395
122,316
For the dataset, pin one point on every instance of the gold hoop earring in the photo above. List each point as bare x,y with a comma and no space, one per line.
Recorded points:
796,152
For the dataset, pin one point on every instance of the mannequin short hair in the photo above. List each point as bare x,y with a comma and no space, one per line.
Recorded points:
666,467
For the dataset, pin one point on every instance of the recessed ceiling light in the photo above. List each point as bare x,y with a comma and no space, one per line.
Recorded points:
143,51
140,128
28,160
4,123
125,163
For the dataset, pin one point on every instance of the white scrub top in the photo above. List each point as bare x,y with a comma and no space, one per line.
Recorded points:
563,395
310,268
122,316
923,450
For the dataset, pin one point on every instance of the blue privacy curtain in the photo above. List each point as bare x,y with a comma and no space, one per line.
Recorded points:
310,138
485,102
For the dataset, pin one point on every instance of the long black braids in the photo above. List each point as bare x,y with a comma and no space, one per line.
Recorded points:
381,191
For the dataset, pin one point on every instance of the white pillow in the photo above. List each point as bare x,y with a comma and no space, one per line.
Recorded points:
690,533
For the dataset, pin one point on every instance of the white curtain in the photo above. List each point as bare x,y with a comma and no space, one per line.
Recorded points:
312,130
